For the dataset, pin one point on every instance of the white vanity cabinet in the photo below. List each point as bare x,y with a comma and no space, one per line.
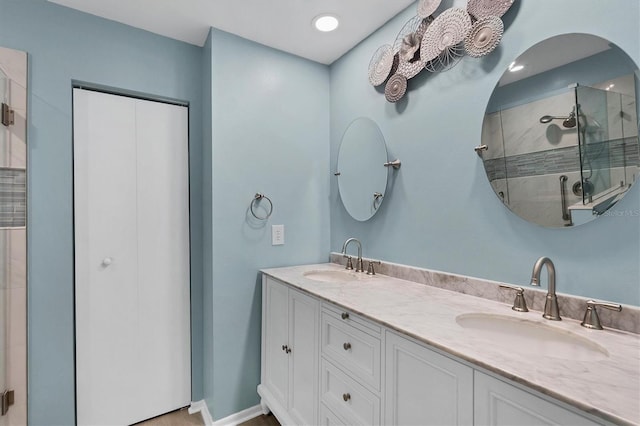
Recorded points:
323,364
290,353
350,368
500,404
424,387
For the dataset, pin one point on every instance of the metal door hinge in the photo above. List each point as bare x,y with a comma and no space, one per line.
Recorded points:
7,401
8,116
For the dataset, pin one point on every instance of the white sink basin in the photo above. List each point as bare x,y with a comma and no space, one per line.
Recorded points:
335,276
532,338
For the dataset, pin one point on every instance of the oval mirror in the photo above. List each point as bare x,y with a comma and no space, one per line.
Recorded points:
362,177
560,132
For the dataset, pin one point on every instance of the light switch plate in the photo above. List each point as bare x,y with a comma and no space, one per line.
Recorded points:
277,235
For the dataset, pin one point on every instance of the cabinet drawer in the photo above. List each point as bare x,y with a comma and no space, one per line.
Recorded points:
355,320
328,418
352,349
347,398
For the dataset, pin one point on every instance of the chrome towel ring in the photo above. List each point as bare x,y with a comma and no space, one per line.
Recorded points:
256,201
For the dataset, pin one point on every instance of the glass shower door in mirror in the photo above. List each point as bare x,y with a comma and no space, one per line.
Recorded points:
13,240
607,134
4,307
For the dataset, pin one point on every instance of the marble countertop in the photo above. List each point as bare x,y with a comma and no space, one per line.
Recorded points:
608,388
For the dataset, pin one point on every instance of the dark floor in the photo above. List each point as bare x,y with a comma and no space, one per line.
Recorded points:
268,420
175,418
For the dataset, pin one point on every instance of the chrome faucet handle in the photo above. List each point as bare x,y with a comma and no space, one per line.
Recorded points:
370,270
359,265
519,303
591,318
349,263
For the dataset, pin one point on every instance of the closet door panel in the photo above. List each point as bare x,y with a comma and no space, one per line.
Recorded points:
106,256
163,255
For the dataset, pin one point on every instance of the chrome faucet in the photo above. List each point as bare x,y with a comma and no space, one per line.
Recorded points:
359,264
551,310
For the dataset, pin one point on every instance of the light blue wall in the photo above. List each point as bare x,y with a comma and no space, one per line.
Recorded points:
207,226
64,45
270,134
440,211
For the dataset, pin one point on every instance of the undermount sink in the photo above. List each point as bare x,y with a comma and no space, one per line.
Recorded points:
334,276
532,338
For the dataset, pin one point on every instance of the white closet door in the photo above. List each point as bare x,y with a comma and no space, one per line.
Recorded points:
163,256
132,258
106,257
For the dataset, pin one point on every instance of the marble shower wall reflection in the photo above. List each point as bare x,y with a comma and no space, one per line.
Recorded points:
13,241
527,157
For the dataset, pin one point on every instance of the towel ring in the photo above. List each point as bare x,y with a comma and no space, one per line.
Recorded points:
254,202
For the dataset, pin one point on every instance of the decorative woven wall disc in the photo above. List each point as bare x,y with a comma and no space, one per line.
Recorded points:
380,65
483,8
427,7
448,29
484,37
396,88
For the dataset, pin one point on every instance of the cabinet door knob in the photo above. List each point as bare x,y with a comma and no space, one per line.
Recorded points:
284,348
346,397
346,346
345,315
107,261
288,350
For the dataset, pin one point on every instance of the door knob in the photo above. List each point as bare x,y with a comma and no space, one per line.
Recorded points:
107,261
346,346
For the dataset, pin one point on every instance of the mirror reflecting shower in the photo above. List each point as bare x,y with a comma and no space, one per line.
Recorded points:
560,136
13,238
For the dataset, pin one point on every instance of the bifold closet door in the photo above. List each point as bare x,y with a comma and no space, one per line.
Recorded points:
132,279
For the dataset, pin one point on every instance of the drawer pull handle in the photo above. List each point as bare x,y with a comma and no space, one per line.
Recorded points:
345,315
346,346
346,397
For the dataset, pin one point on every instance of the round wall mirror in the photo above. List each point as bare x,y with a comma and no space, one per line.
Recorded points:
362,177
560,132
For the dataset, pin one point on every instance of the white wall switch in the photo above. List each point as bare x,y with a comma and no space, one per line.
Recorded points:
277,235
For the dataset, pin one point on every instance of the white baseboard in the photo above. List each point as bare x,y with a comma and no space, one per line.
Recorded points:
201,407
239,417
232,420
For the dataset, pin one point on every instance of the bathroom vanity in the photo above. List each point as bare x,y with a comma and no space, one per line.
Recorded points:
340,347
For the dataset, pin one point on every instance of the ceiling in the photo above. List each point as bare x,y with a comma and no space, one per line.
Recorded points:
555,52
282,24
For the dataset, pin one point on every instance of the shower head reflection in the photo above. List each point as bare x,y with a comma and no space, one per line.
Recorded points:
568,121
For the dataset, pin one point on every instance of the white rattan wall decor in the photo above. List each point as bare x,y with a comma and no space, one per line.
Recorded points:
395,88
485,35
381,65
437,43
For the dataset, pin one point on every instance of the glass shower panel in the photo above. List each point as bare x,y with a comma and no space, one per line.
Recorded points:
597,133
4,88
629,150
4,291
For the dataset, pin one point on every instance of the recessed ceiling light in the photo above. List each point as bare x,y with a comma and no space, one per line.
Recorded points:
515,68
325,23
